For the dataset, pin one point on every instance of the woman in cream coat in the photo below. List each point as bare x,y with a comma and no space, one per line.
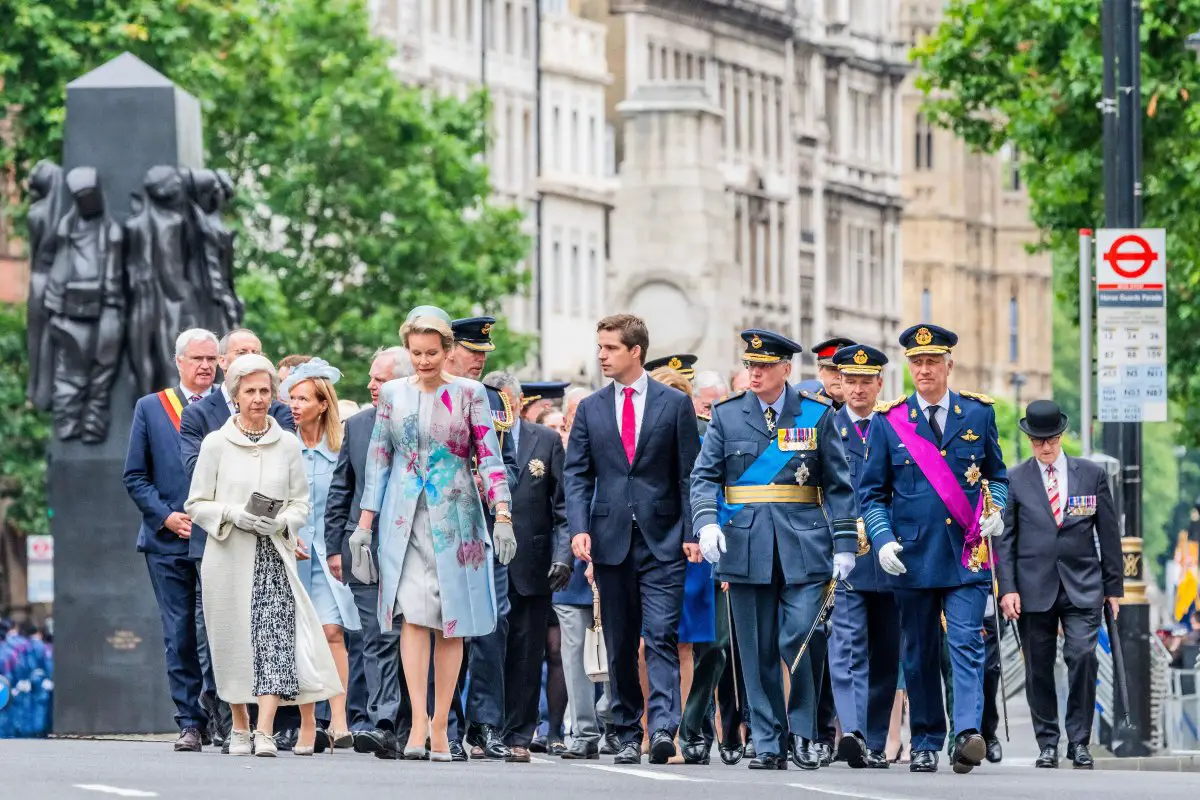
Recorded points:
264,635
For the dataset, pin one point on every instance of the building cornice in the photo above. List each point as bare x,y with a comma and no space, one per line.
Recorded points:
746,15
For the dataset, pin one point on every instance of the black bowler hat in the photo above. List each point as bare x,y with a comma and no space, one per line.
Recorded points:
768,347
683,363
826,350
1043,420
927,340
474,333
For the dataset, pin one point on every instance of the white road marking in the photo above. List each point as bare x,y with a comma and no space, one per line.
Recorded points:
536,760
118,791
642,773
856,795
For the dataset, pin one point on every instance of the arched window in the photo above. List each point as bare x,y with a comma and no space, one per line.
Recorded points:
923,143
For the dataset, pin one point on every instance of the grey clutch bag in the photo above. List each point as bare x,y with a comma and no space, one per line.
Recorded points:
262,506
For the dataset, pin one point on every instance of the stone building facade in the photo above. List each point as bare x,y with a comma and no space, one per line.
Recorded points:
966,265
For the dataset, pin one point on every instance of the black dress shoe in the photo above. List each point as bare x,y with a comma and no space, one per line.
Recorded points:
662,747
923,761
876,759
968,753
538,745
804,753
629,754
581,750
486,742
556,749
286,739
370,741
457,751
768,761
696,751
750,751
853,750
1080,757
995,753
824,752
389,745
610,745
1047,759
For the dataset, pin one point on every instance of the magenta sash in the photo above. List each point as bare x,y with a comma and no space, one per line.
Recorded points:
944,482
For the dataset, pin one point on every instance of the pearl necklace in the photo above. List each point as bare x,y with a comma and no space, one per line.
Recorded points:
249,433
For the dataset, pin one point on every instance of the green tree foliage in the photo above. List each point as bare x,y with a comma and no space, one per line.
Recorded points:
1027,72
24,432
358,197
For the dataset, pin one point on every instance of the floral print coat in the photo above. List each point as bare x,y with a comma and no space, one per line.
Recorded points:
460,431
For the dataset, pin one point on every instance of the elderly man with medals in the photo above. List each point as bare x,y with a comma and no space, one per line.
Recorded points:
932,490
770,469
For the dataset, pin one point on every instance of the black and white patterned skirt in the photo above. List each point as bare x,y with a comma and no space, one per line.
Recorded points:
273,625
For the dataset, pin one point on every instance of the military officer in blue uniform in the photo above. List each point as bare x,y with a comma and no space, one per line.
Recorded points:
929,522
483,720
770,461
864,643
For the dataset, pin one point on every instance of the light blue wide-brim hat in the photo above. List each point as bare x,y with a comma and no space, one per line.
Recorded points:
428,311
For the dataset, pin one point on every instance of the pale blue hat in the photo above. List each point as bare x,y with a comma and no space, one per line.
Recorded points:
310,370
428,311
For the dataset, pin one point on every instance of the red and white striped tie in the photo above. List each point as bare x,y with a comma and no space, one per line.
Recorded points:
1052,491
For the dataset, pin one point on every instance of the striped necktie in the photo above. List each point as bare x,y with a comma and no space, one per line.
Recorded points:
1052,492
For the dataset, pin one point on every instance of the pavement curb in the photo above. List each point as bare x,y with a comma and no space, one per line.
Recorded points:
1151,764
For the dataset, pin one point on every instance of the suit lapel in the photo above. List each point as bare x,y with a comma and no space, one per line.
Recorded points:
524,448
651,411
851,436
954,421
607,428
754,414
1037,486
922,420
220,407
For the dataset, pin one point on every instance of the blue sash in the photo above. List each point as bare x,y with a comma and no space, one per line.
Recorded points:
770,461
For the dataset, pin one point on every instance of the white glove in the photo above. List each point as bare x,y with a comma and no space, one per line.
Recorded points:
843,565
990,526
362,563
504,541
889,559
265,526
712,543
243,520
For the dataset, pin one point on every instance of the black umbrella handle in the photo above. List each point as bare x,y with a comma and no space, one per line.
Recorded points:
1118,657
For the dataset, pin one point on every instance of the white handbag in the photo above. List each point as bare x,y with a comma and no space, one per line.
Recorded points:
595,653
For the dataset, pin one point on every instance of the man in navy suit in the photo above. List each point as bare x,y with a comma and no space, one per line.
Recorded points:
922,495
199,420
629,459
864,643
158,486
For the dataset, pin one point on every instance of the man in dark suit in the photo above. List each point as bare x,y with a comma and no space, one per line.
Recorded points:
629,458
197,421
377,667
1058,564
541,567
158,485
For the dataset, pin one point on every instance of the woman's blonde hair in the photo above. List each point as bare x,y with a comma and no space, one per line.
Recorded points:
428,325
331,417
672,378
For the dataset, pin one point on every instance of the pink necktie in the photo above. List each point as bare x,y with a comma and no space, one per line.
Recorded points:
1052,492
194,399
629,425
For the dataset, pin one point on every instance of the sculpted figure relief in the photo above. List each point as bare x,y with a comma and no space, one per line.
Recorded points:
45,211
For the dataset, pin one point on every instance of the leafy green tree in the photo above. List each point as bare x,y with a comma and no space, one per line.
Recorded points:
24,431
359,197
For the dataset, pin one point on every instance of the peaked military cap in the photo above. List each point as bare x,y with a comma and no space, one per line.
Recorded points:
924,339
683,363
859,359
474,333
826,350
768,347
543,390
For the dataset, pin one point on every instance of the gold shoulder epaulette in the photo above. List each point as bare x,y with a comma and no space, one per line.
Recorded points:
733,396
820,398
883,408
983,398
506,423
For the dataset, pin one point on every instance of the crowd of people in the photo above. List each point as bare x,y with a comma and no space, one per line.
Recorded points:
472,567
26,679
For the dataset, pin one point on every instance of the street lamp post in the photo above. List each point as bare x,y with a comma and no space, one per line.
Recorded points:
1018,383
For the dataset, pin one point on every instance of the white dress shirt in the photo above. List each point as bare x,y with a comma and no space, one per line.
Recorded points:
777,405
639,403
1060,473
943,407
188,394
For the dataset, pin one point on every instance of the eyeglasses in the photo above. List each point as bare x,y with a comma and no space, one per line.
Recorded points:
201,359
1043,442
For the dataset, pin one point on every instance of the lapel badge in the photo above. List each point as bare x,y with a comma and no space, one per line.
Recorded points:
802,474
970,436
536,468
912,413
973,474
958,409
845,433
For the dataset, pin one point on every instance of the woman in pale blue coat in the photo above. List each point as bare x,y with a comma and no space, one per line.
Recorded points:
435,554
314,402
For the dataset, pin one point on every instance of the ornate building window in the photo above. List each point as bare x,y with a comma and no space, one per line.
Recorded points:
923,143
926,306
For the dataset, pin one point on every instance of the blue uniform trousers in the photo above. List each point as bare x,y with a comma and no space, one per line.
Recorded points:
480,696
920,615
772,621
864,657
175,580
382,688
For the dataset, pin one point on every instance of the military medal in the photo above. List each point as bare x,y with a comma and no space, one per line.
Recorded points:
973,474
802,474
536,467
845,433
807,438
